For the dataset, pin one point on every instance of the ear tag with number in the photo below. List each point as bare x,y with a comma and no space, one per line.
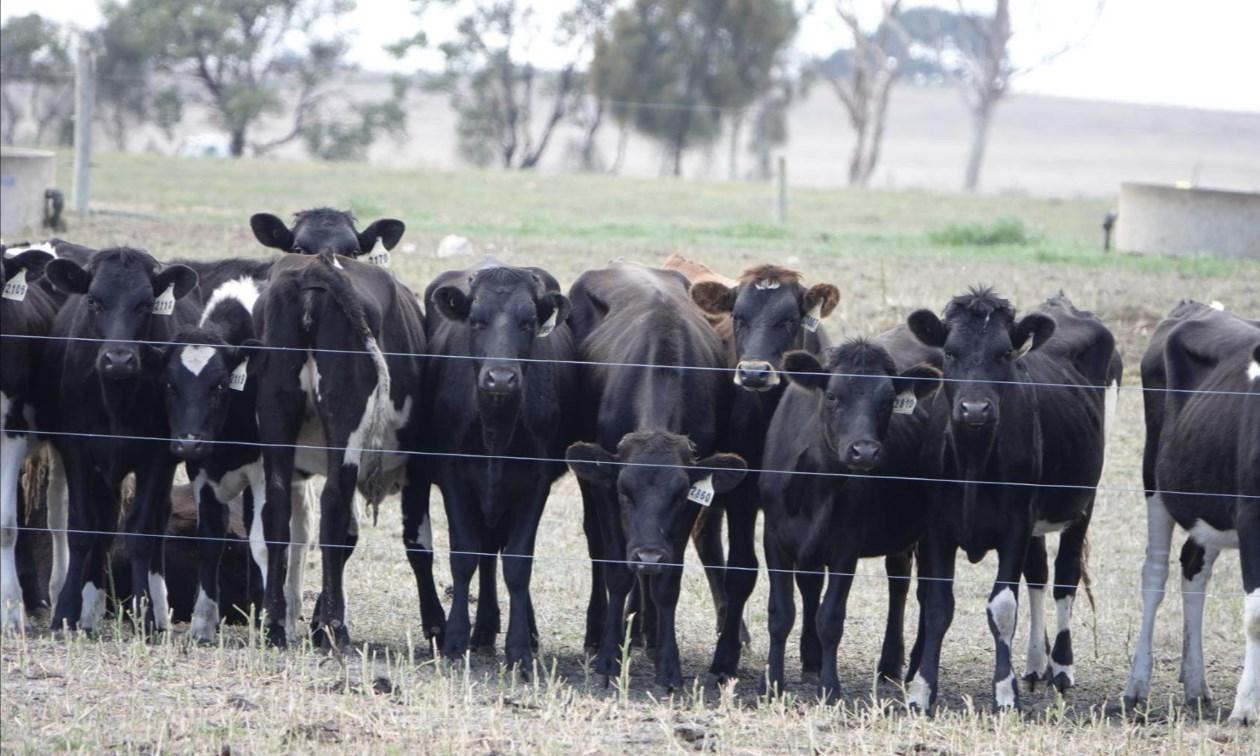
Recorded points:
236,381
548,325
165,303
379,256
812,318
905,403
15,288
701,492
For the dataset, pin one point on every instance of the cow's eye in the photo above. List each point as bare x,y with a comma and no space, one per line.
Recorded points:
528,326
1009,354
787,323
94,304
299,249
950,355
832,398
223,385
477,325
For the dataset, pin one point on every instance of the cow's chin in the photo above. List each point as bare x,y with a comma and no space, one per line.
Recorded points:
499,413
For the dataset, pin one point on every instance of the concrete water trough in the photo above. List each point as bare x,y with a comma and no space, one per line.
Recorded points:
24,177
1175,220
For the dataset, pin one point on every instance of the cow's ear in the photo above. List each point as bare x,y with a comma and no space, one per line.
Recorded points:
1253,370
593,463
927,328
270,231
553,303
67,276
388,230
823,296
182,277
452,302
249,349
1032,331
922,379
33,261
713,297
805,370
727,471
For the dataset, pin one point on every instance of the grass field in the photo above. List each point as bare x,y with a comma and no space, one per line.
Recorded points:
888,253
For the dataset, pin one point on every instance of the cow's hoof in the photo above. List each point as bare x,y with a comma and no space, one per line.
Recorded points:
606,667
829,695
276,637
1062,682
1033,678
810,676
771,688
483,640
716,679
669,680
1199,704
889,673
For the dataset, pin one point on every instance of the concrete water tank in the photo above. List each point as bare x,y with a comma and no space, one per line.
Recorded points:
1176,220
24,176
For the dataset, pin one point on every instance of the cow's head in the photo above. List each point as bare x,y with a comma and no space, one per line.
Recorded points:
197,374
324,229
504,310
767,307
119,288
982,340
29,260
857,384
651,475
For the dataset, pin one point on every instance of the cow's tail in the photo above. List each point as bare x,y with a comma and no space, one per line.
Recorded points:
1087,583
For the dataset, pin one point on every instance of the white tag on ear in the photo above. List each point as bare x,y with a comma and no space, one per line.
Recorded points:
548,325
236,381
165,303
701,492
812,318
905,403
15,288
1024,348
1217,305
379,256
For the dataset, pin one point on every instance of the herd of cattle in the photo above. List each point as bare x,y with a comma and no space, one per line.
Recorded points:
679,399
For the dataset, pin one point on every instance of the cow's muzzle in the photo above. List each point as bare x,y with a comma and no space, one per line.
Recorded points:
756,375
975,413
648,560
500,381
118,364
862,456
189,446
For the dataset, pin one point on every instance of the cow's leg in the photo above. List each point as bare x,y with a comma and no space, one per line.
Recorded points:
301,497
1159,530
1069,567
488,623
12,454
830,621
463,516
418,541
1003,613
1196,568
338,534
646,619
618,580
936,608
1036,574
146,542
58,513
1247,700
256,504
782,615
518,566
597,604
82,587
741,578
891,656
706,536
212,529
810,584
665,588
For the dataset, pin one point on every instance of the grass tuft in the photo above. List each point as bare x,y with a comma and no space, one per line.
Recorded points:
1002,231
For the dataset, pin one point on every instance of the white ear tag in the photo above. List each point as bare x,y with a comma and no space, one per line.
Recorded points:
165,303
1024,348
236,381
701,492
379,255
812,318
548,325
905,403
15,288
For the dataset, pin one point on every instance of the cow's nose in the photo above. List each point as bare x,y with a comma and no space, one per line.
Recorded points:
757,375
500,380
189,446
977,413
863,455
649,560
119,363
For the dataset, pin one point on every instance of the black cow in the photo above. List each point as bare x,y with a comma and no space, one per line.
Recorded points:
1201,373
491,403
854,414
1001,427
767,313
339,392
654,431
26,313
97,394
324,229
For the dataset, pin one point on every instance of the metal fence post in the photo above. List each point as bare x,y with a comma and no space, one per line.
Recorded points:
84,95
780,180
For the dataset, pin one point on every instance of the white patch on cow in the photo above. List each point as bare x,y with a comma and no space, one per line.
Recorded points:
1210,538
254,473
1111,400
1217,305
243,290
195,358
1159,530
1253,371
12,455
92,608
161,605
1247,701
1193,596
308,378
21,248
1004,692
58,521
1036,633
337,263
1002,610
301,494
767,284
1063,619
919,694
1042,527
424,538
205,617
376,434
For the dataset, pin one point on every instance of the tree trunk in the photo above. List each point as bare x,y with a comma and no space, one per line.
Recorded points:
981,115
676,154
856,158
588,141
732,159
623,138
237,147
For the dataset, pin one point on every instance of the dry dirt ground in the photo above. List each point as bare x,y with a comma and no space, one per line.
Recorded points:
118,692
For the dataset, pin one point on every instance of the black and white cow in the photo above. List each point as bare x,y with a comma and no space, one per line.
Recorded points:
853,414
504,397
99,388
339,393
651,465
26,313
766,314
324,229
1029,457
1201,375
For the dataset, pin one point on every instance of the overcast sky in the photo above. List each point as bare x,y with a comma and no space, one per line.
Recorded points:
1193,53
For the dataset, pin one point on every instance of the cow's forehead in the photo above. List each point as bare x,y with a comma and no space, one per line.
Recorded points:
755,295
979,325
